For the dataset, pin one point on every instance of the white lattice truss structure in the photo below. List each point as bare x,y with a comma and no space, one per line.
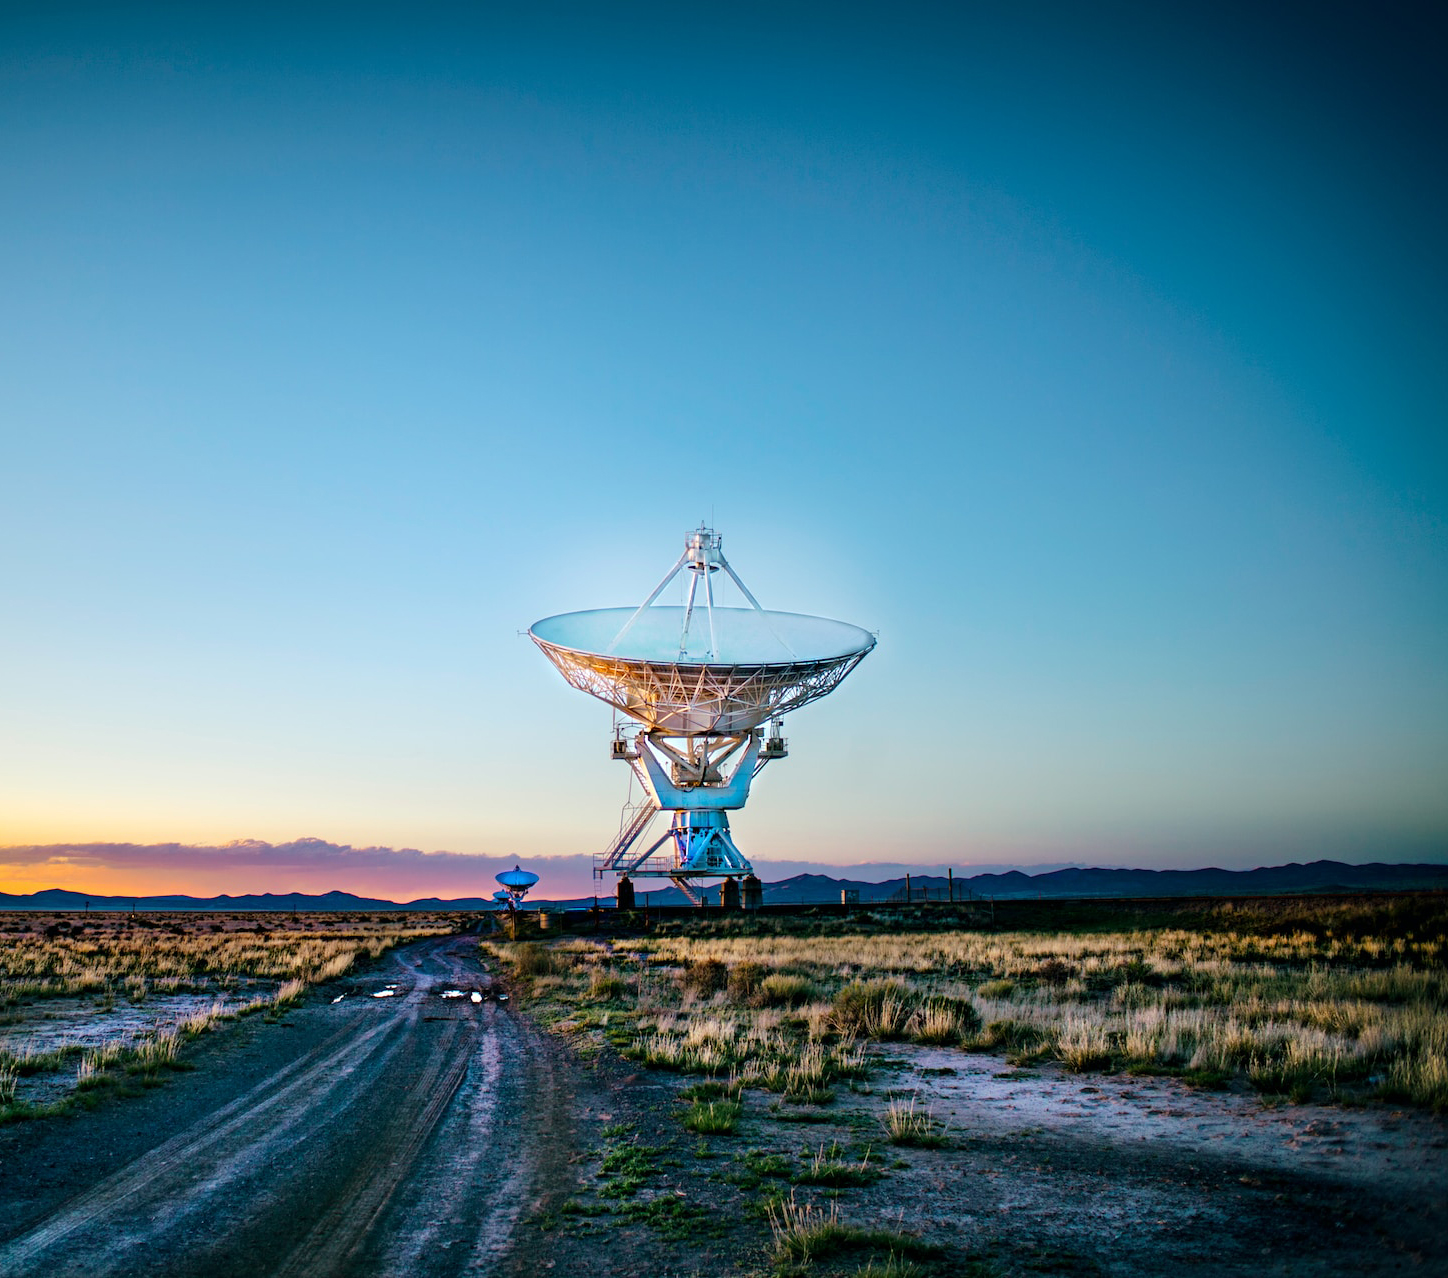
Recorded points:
699,699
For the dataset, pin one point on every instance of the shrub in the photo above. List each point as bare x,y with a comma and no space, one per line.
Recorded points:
878,1009
706,977
1054,972
944,1020
745,979
1011,1035
1084,1046
531,959
604,985
780,990
997,989
1138,972
1133,995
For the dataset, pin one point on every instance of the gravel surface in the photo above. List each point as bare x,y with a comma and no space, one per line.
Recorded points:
401,1135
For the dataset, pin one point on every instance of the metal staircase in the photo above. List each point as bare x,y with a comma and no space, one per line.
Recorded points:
636,818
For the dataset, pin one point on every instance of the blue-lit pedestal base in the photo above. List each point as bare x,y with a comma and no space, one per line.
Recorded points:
703,845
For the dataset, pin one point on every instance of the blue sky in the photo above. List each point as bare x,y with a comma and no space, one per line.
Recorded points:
1096,361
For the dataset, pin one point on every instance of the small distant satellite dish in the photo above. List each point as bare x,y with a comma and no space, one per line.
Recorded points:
516,880
516,883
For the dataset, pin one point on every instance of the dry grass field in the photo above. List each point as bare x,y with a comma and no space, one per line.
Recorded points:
889,1095
1341,1001
92,1005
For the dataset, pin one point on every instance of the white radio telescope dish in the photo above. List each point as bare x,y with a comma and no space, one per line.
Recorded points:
701,680
748,667
516,883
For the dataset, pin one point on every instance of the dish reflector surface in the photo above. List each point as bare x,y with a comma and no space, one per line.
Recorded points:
763,664
744,636
516,878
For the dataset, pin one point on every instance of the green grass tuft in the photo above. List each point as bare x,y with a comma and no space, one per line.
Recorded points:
713,1118
829,1169
804,1234
907,1125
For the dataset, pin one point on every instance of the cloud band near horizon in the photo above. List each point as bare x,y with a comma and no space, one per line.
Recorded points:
313,865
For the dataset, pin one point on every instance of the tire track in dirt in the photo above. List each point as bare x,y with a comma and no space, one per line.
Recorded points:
301,1174
173,1163
546,1169
344,1227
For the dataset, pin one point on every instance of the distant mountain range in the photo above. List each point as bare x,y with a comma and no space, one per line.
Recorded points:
1317,876
815,889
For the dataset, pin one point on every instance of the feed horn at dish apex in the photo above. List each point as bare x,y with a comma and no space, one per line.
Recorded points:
703,687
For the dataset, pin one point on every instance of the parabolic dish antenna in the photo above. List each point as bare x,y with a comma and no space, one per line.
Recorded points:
729,671
701,681
516,880
515,883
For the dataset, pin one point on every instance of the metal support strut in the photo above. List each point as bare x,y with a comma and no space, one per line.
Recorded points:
686,778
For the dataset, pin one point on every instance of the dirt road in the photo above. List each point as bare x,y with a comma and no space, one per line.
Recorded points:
397,1132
